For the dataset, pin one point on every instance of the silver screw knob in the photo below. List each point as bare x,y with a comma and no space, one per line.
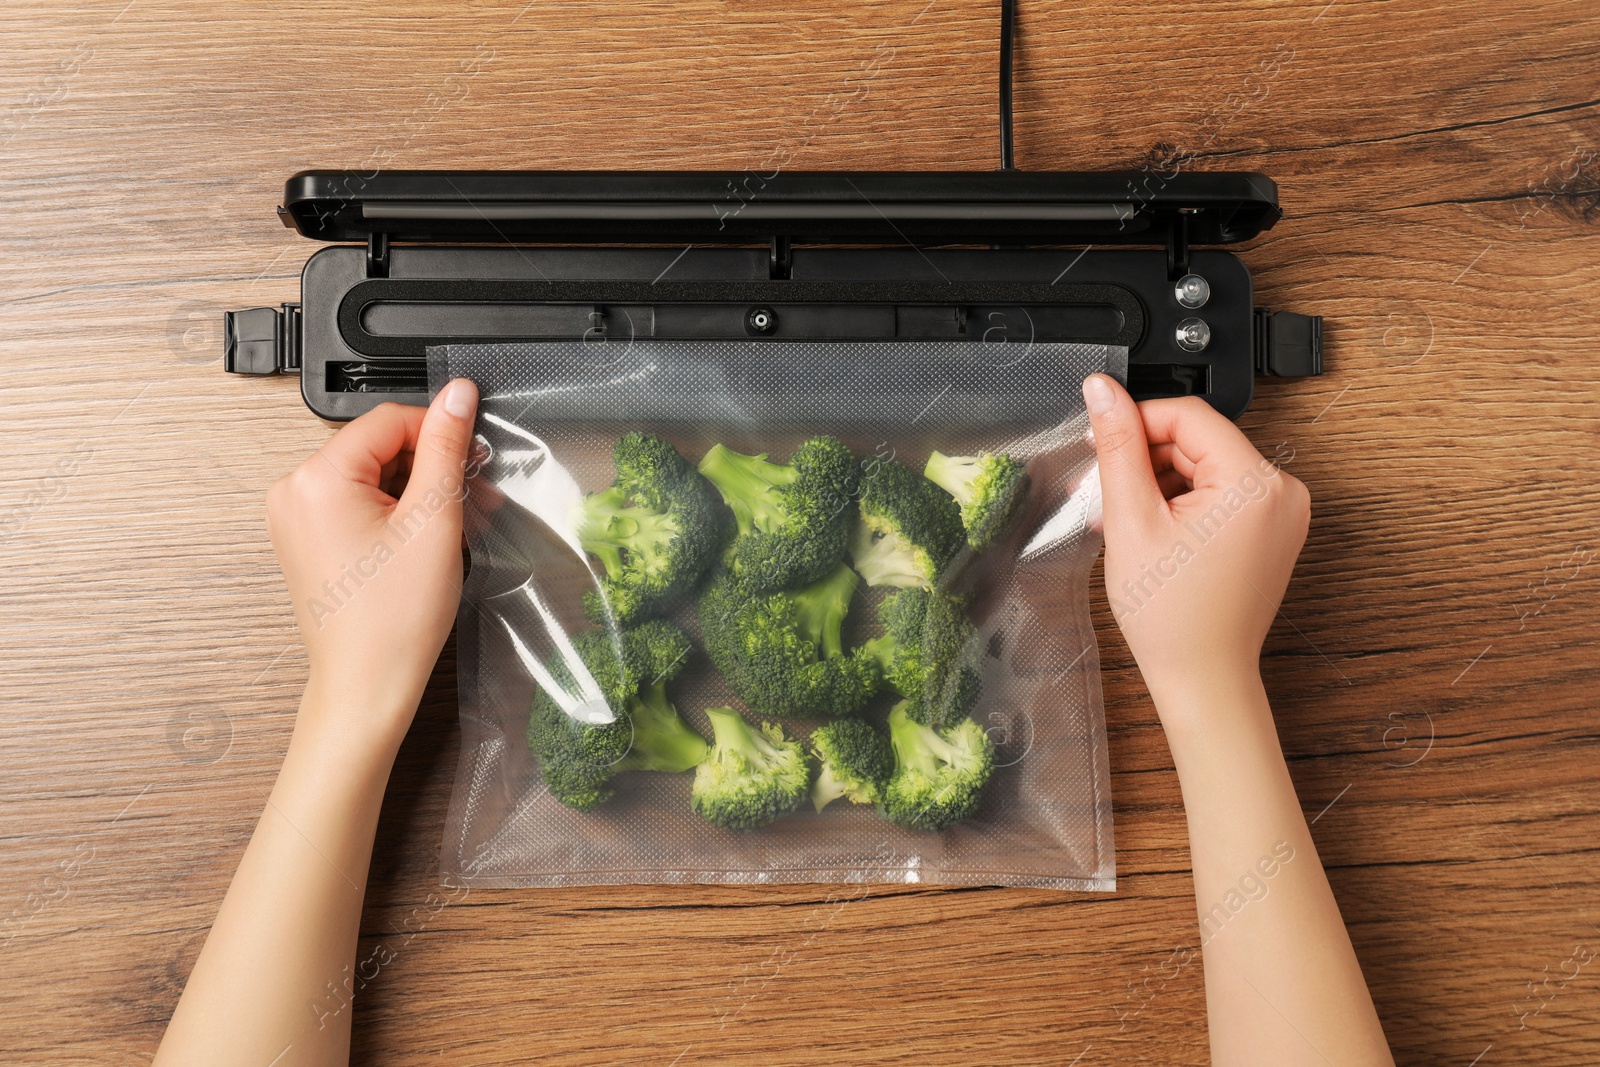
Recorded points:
1193,335
1192,291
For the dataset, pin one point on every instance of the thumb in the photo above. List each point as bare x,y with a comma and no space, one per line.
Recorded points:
439,462
1128,485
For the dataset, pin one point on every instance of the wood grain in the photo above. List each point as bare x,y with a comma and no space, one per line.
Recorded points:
1433,672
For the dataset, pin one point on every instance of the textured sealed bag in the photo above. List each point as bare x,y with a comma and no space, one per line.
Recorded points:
767,611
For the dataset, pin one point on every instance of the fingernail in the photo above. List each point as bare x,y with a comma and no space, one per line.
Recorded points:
459,398
1097,394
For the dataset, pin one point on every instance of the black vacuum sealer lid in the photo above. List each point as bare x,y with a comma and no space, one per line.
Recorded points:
705,207
351,350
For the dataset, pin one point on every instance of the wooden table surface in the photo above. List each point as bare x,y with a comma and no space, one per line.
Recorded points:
1434,672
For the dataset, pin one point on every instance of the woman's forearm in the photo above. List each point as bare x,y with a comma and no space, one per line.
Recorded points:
1282,982
273,983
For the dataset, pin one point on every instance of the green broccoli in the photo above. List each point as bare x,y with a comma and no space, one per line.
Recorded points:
989,487
855,760
783,653
661,740
631,669
662,648
752,776
928,654
793,521
656,530
910,529
939,775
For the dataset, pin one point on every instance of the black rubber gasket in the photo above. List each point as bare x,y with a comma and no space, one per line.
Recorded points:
602,292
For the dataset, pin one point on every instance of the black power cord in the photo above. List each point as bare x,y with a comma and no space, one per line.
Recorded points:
1008,29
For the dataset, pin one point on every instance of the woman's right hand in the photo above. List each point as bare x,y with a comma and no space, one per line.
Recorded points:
1201,535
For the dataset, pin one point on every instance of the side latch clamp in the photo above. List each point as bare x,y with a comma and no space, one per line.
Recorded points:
1287,345
262,340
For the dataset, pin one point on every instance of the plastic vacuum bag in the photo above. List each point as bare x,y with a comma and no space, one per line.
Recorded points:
549,417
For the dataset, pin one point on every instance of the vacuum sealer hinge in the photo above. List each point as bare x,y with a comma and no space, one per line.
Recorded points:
1178,246
781,260
377,255
262,340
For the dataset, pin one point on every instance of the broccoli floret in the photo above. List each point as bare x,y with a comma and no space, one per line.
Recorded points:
783,653
855,761
662,650
928,654
631,667
989,487
939,775
793,521
656,530
752,776
910,529
575,757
